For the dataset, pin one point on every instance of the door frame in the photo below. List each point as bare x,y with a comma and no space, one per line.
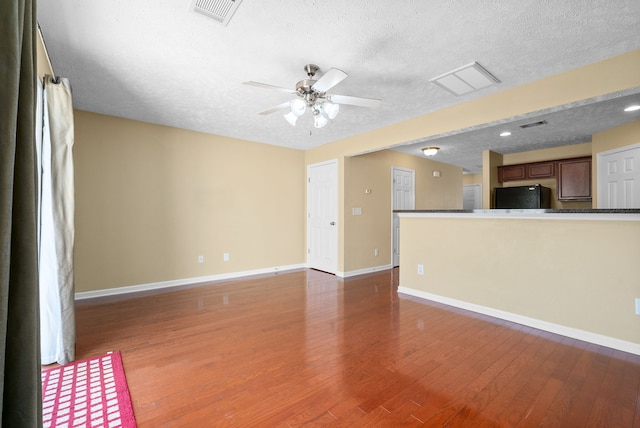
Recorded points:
393,216
332,269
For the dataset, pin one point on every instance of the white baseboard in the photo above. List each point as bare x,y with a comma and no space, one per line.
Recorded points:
178,282
363,271
598,339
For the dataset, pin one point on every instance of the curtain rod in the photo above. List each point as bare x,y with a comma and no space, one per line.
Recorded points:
46,53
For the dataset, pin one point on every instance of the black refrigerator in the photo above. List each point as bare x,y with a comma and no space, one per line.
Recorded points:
522,197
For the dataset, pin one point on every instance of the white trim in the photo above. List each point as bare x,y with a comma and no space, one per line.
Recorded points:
524,215
363,271
178,282
393,196
587,336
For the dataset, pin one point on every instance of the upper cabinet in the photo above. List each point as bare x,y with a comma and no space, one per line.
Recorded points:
541,170
526,171
573,176
512,173
574,179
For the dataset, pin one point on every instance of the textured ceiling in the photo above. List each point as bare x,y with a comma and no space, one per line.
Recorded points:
158,62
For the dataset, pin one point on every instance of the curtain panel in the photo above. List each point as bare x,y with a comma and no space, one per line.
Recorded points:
20,383
56,215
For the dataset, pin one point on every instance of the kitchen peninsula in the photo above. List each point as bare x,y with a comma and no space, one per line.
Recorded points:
571,272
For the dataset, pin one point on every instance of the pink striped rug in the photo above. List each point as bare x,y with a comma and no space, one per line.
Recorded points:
91,393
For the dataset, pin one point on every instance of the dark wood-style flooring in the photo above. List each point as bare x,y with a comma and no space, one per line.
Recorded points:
305,348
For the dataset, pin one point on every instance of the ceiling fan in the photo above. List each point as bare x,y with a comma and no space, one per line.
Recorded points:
313,94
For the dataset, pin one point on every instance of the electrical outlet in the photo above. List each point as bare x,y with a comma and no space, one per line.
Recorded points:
637,306
376,252
200,259
225,257
420,269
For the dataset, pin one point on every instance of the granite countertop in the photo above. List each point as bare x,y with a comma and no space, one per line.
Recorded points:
530,211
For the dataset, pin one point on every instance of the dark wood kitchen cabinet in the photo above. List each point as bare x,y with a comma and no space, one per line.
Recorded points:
512,173
526,171
574,179
541,170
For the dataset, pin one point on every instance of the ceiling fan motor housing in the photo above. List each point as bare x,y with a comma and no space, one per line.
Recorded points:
305,90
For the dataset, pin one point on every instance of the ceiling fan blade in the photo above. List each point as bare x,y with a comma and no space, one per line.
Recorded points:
274,109
329,79
265,86
354,101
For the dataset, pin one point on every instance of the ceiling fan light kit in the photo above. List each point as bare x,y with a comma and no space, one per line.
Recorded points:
313,95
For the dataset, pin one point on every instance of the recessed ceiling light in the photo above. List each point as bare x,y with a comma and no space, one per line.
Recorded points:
632,108
505,134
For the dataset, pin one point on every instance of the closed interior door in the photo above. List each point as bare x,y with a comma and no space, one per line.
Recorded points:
472,197
322,216
403,185
619,178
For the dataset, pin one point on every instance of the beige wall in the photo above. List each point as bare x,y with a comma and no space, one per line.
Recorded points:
490,163
564,152
364,233
468,179
150,199
578,274
614,138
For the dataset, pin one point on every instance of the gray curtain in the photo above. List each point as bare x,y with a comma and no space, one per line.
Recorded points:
20,383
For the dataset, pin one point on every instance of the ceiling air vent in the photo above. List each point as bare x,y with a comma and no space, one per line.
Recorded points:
218,10
463,80
531,125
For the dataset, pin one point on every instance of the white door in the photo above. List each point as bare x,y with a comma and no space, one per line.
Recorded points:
619,178
403,198
322,216
472,197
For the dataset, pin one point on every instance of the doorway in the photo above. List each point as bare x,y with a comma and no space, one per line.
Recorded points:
322,216
472,197
402,198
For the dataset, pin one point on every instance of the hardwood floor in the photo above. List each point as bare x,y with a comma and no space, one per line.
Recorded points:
305,348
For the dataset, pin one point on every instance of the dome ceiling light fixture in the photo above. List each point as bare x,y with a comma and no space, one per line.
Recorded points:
430,151
313,96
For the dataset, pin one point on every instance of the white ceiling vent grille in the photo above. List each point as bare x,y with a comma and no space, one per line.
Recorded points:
218,10
465,79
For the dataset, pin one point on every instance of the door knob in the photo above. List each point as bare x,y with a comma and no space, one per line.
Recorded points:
333,223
